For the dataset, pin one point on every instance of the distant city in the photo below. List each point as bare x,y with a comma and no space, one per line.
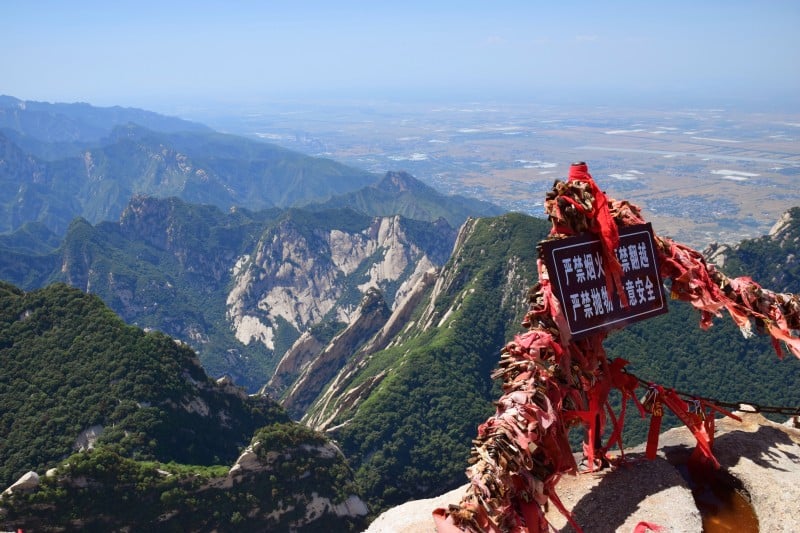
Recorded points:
700,175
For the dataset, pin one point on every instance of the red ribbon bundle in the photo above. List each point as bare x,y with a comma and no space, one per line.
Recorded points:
551,383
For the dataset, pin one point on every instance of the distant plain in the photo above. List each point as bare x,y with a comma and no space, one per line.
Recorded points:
701,175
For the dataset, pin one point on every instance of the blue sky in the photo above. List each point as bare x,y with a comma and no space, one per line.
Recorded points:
152,54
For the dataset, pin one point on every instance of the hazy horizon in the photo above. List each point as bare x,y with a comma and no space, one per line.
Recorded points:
163,56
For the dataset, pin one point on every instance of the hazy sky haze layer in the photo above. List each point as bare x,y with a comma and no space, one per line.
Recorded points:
156,54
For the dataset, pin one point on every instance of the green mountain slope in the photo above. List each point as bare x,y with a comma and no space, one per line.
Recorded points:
69,363
74,376
399,193
203,167
410,436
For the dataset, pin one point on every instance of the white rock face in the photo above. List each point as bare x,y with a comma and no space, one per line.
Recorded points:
352,506
294,361
396,256
248,460
781,224
298,278
87,438
348,250
249,328
318,506
27,482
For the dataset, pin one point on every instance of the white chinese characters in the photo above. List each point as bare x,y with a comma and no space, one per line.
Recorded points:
589,300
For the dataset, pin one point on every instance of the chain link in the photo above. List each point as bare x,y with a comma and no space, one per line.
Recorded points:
748,407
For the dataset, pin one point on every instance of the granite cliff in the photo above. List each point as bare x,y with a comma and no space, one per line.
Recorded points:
239,287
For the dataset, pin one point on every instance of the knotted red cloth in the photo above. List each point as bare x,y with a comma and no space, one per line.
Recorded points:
603,226
551,383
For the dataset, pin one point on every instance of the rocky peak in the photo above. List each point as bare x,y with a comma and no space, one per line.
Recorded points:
398,182
173,226
301,273
148,218
341,395
450,277
717,253
315,375
776,253
787,227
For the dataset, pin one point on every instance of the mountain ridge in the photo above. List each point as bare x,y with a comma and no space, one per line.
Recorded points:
68,122
198,274
59,161
405,412
398,193
408,383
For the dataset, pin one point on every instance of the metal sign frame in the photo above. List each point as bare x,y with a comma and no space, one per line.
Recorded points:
577,276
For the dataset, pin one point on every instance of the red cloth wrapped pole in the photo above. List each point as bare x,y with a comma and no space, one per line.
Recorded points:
551,383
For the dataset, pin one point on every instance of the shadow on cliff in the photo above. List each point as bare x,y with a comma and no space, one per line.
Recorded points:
760,447
620,492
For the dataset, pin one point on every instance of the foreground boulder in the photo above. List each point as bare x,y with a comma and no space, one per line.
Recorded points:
760,458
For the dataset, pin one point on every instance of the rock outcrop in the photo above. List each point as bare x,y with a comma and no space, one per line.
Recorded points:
313,377
341,394
300,506
289,479
298,276
298,357
28,482
760,459
87,438
776,253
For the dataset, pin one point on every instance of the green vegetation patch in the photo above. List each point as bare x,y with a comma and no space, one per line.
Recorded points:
70,364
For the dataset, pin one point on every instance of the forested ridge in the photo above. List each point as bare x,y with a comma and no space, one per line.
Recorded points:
166,433
69,363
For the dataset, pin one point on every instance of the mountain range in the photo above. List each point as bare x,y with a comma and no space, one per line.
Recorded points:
61,161
115,220
374,315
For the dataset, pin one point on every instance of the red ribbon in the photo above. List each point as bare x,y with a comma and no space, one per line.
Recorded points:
605,228
655,429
